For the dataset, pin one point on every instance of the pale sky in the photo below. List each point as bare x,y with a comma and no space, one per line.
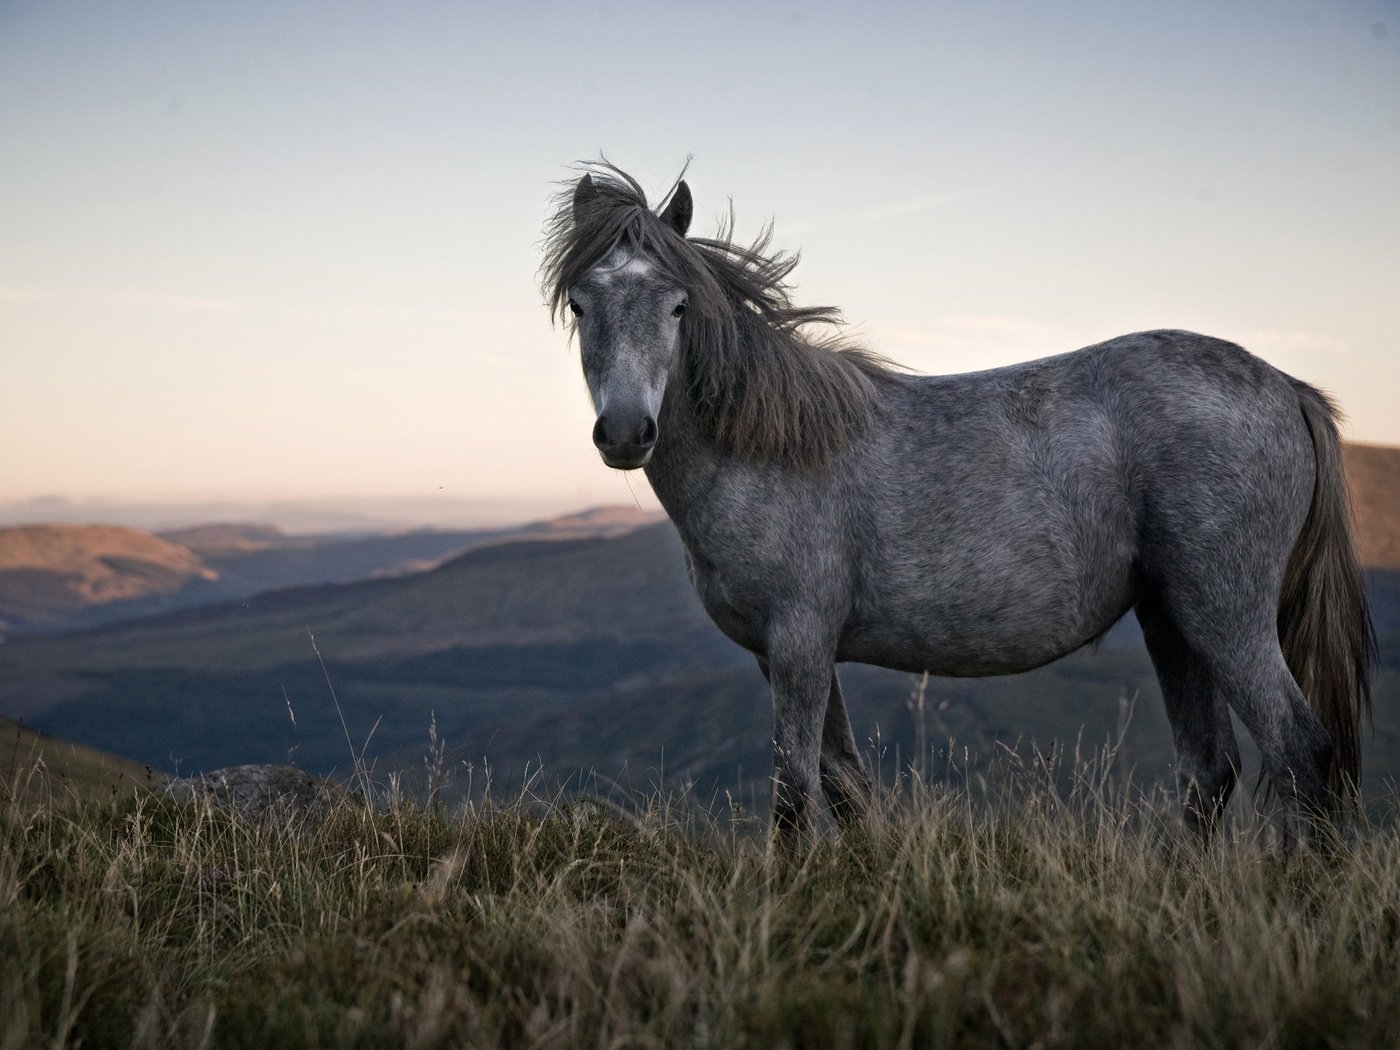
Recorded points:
255,251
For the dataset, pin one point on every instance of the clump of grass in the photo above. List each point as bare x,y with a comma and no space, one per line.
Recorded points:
992,913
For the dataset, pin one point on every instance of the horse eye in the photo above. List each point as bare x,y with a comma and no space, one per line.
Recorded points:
680,309
578,312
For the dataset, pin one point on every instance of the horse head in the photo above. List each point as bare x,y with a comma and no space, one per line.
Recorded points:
628,314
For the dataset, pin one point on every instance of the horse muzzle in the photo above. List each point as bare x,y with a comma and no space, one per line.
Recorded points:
625,444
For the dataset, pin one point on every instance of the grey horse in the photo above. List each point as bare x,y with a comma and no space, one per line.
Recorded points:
836,508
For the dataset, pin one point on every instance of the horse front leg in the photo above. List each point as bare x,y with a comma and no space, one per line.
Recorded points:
800,676
847,785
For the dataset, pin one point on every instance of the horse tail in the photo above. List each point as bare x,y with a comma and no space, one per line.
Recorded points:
1324,622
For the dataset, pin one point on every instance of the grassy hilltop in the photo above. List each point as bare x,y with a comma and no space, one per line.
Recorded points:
35,768
953,918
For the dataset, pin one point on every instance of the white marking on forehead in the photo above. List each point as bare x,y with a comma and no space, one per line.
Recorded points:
622,262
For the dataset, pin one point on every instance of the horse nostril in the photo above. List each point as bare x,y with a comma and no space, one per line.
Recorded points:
608,434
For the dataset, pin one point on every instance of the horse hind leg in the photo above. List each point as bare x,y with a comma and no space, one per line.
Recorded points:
1294,746
1207,755
844,780
1236,641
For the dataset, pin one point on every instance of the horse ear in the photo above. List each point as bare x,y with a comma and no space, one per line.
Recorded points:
584,192
678,212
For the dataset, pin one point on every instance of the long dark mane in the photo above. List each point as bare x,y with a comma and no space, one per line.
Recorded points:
764,382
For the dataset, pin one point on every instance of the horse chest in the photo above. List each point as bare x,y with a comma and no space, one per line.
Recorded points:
729,599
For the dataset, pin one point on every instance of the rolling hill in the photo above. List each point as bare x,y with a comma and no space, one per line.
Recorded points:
592,653
489,639
64,577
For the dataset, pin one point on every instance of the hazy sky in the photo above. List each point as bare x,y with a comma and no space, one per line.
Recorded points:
282,250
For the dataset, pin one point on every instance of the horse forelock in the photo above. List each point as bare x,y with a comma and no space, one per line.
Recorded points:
761,382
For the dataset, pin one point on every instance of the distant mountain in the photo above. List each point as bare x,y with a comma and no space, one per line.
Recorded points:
225,539
264,564
51,573
230,538
58,577
596,521
323,515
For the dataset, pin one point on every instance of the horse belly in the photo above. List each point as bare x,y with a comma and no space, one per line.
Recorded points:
974,647
993,616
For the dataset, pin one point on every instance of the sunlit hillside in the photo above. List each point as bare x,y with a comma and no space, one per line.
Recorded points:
49,572
1373,474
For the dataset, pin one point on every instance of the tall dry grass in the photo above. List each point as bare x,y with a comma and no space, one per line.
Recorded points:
1007,911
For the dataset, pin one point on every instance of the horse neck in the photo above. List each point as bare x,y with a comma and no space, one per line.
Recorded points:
685,459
